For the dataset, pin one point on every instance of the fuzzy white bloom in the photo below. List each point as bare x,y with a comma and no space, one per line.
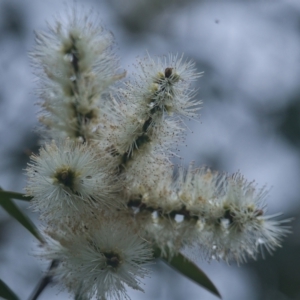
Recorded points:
154,186
224,215
164,85
68,179
75,63
137,127
101,260
170,234
231,212
244,228
132,133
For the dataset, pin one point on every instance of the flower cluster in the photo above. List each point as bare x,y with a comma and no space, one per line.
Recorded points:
104,183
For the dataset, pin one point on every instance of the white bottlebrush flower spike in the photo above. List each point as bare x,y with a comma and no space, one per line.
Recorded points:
164,84
234,217
76,65
100,260
105,185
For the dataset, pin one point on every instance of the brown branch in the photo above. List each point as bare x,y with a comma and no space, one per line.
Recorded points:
44,282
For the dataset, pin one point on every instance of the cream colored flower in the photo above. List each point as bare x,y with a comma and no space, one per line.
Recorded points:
67,179
100,261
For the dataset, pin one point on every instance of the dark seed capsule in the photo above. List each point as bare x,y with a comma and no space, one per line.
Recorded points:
168,72
259,213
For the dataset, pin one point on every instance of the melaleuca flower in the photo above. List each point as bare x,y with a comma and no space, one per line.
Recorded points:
164,219
243,227
198,188
224,215
68,178
153,186
164,85
101,260
169,234
75,63
131,135
231,215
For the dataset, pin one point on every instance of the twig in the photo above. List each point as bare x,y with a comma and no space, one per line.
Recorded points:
44,282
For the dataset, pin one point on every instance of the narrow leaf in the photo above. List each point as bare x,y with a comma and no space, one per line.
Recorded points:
16,213
14,195
186,267
6,292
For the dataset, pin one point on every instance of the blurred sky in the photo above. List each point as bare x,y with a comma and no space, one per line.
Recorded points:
249,52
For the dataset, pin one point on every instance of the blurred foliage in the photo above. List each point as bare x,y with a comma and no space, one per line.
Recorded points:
140,17
13,21
18,157
10,207
288,121
6,292
279,274
281,271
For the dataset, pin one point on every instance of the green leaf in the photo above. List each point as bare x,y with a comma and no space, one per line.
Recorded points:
16,213
186,267
6,292
14,195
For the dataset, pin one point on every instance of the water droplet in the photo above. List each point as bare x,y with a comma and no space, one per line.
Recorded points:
260,241
68,57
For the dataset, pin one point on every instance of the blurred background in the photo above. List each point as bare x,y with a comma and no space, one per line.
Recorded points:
249,52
